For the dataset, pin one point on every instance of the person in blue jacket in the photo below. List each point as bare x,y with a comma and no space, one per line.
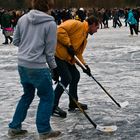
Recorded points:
132,23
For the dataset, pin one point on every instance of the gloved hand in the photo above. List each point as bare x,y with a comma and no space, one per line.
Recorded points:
87,70
55,75
71,51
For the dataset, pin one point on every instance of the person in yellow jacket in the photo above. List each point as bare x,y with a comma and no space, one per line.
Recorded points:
71,40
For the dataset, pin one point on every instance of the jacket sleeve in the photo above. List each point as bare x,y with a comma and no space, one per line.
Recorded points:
16,38
51,45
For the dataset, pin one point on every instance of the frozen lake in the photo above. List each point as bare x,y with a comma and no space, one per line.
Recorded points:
114,59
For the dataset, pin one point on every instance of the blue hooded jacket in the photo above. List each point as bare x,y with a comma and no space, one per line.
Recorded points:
131,19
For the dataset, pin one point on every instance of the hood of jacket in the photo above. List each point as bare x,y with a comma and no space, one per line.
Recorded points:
38,17
130,11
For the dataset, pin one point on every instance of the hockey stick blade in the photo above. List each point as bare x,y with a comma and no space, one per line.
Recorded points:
124,104
107,129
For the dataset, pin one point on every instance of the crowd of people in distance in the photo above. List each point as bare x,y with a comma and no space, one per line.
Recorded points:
9,18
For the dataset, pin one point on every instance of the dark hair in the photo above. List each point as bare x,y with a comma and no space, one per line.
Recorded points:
66,14
92,19
41,5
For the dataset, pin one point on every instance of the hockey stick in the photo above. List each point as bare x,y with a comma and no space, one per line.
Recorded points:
121,105
100,128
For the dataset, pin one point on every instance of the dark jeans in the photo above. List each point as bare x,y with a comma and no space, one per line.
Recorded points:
133,27
7,37
69,76
116,22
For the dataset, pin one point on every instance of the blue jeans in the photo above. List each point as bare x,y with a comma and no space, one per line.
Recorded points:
41,80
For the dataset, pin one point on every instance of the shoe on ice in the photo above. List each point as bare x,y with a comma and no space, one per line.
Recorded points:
5,43
48,135
130,35
74,106
16,132
59,112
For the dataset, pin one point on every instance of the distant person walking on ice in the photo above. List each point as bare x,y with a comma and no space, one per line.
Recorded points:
35,37
6,26
72,39
132,23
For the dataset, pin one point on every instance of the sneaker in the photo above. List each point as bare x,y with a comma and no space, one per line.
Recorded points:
16,132
73,107
48,135
59,112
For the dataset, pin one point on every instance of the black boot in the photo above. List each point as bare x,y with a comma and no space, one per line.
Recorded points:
59,112
74,106
6,41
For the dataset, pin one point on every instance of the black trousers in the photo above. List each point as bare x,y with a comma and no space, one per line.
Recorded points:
7,37
69,76
133,27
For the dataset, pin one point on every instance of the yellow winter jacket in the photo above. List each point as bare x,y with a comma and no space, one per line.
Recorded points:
71,32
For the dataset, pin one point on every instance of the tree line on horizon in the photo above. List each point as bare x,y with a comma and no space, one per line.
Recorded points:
74,3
